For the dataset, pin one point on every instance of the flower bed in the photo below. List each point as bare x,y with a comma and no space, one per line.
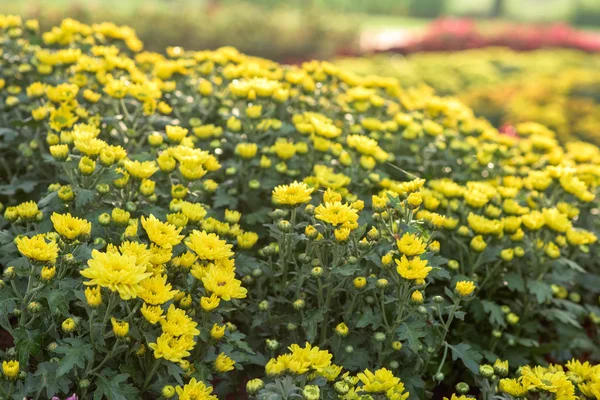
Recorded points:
206,224
557,88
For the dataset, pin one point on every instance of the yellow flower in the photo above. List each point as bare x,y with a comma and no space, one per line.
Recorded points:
48,273
342,329
208,246
156,290
195,390
176,133
534,220
337,214
411,245
246,240
223,363
118,272
217,331
246,150
120,328
70,227
379,382
293,194
413,269
210,303
10,369
556,220
464,288
222,283
93,296
141,170
61,118
36,248
512,387
178,323
152,314
478,243
173,348
162,234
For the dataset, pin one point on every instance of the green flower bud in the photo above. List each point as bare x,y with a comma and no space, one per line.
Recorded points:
341,387
263,305
34,307
394,364
299,304
311,392
168,391
486,370
379,336
439,377
257,272
284,225
104,219
102,188
254,386
272,344
462,388
349,349
438,299
422,310
84,383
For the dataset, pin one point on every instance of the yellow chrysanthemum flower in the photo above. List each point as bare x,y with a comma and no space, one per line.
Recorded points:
162,234
411,245
71,227
38,249
120,273
208,246
293,194
413,269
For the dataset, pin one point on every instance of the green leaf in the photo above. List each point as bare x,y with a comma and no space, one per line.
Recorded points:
541,290
58,302
496,316
83,197
571,264
27,343
514,282
555,314
367,318
76,352
467,355
310,324
113,387
412,332
46,372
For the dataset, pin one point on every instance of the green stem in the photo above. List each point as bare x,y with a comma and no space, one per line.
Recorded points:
151,373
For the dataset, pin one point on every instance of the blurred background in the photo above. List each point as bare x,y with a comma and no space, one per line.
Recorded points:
511,60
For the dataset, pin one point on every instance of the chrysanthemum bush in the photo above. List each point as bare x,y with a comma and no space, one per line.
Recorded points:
205,224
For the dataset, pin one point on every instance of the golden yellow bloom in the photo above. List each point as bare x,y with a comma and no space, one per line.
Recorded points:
293,194
178,323
217,331
411,245
152,314
71,227
208,246
48,273
141,170
120,328
156,290
222,283
210,303
10,369
413,269
337,214
118,272
38,249
93,296
464,288
195,390
223,363
162,234
379,382
173,348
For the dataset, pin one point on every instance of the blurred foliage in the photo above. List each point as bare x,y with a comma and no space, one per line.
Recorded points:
558,88
282,33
